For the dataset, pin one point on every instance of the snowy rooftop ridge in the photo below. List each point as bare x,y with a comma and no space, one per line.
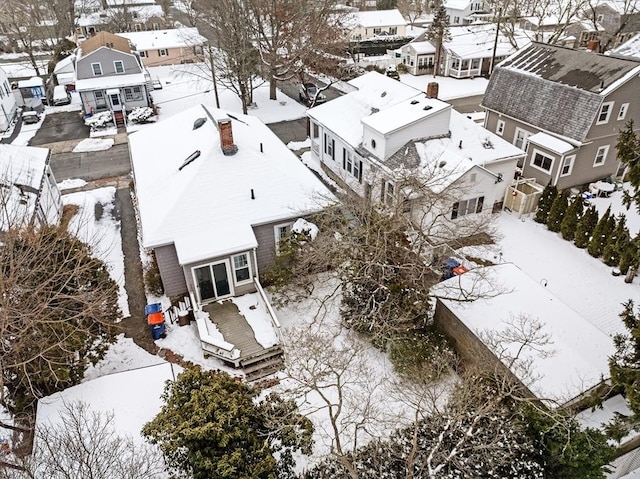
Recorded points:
379,18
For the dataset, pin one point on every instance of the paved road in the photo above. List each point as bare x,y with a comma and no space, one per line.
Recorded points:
92,165
468,104
287,131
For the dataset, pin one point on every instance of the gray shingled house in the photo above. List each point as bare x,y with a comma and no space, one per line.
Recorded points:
564,108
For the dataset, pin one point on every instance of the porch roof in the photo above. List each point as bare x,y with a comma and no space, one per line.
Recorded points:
551,143
228,238
114,81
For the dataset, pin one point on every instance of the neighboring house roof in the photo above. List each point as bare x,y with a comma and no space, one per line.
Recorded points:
551,143
630,48
576,81
576,357
104,39
379,18
206,209
473,41
457,4
22,169
375,92
111,81
66,65
137,401
446,159
174,38
32,82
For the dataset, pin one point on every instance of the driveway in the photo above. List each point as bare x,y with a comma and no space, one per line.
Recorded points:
61,126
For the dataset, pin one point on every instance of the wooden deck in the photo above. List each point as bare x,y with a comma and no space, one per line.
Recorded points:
234,328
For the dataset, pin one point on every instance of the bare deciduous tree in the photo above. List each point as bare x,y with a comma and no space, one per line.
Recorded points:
85,444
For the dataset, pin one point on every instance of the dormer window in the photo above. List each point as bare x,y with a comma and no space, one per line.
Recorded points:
96,68
118,65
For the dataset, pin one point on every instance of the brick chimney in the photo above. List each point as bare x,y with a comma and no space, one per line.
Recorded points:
226,136
593,45
432,89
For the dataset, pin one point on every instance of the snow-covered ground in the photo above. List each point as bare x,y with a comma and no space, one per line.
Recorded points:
184,86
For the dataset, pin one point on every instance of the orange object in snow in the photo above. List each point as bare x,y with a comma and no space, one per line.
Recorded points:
155,318
459,270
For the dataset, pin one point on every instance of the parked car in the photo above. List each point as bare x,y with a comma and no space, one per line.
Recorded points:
30,117
61,96
310,92
156,83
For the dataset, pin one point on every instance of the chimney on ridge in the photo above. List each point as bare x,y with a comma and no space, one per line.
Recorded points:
226,136
432,89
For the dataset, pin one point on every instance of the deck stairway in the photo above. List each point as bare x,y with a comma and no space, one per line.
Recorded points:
255,360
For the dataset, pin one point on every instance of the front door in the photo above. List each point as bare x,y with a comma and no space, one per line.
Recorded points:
212,281
115,101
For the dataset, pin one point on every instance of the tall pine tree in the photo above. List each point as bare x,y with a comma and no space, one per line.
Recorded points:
616,242
438,33
628,152
629,256
557,212
544,203
571,218
585,227
624,365
600,234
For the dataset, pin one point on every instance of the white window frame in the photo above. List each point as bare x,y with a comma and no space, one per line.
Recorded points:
526,134
500,127
278,232
623,111
93,69
389,193
162,52
605,109
567,162
130,93
236,269
545,155
143,54
115,67
602,153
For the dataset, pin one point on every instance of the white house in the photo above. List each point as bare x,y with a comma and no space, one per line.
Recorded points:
370,24
30,194
467,54
463,12
8,105
167,47
378,140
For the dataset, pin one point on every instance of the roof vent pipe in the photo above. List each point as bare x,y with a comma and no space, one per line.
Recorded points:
460,145
261,150
253,196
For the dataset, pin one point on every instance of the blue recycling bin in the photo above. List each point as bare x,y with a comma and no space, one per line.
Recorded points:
152,308
157,330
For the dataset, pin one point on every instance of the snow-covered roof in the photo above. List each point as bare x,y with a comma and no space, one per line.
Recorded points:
379,18
551,143
66,65
113,81
174,38
31,82
575,359
206,209
20,166
468,145
457,4
132,396
375,93
404,113
605,413
422,48
630,48
120,3
477,41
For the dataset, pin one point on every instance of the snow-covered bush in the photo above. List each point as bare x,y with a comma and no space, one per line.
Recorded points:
99,120
140,114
